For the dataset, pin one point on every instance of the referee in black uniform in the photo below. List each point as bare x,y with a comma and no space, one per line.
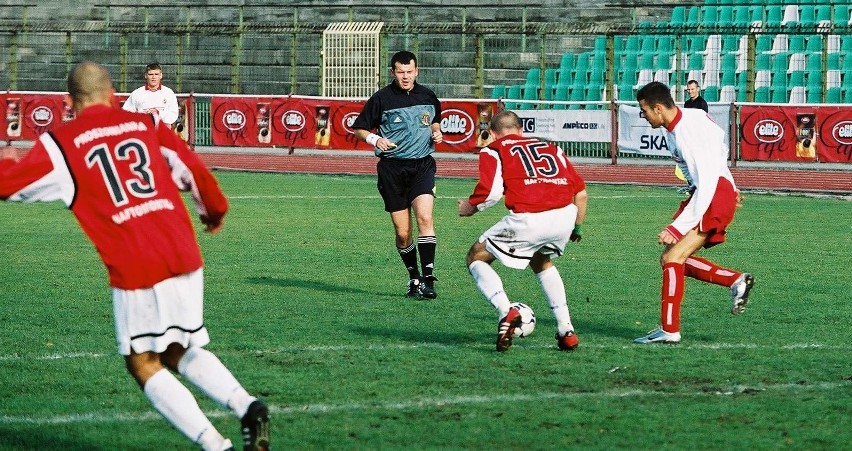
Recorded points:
407,120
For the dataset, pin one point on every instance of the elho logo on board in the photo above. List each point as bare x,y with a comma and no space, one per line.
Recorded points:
42,116
293,121
768,130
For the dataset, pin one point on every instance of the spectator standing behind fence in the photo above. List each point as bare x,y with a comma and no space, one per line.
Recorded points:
547,201
695,100
153,97
698,147
407,117
120,174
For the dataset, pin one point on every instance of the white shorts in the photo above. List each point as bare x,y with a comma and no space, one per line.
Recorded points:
151,319
516,237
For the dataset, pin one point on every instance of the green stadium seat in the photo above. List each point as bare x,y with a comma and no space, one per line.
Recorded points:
581,67
730,43
797,78
761,94
834,95
847,95
814,62
763,43
549,84
807,18
711,93
779,94
823,18
846,44
631,45
813,96
742,16
561,93
564,77
600,44
725,19
512,92
678,18
709,17
498,91
841,15
814,44
567,61
833,61
780,62
764,62
693,15
774,16
533,76
625,92
795,43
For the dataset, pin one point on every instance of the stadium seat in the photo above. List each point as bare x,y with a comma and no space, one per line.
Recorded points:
711,93
764,62
625,92
833,79
813,96
814,44
834,95
600,45
631,45
780,43
814,62
763,78
798,61
709,18
779,94
756,19
841,15
847,95
823,18
513,92
678,18
644,77
780,63
832,44
725,18
797,78
567,61
790,16
498,92
550,79
561,93
798,95
774,16
693,15
761,94
533,76
730,43
581,67
796,43
728,94
763,44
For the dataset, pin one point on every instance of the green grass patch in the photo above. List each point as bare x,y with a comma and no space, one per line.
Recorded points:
305,303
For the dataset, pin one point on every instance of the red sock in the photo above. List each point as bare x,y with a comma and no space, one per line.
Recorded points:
672,295
707,271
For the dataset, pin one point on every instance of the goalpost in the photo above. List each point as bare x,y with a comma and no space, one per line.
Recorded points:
350,59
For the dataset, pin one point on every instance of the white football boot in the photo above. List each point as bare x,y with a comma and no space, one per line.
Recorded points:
739,293
658,335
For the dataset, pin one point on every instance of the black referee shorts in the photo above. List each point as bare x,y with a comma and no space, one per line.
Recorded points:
400,181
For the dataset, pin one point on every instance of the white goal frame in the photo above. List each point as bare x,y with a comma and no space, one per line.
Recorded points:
350,59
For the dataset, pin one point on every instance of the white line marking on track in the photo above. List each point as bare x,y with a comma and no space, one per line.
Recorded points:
428,403
297,196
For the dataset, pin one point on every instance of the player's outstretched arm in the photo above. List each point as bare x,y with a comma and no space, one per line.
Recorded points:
466,208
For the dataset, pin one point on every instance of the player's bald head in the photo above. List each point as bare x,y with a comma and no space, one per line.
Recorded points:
505,122
89,83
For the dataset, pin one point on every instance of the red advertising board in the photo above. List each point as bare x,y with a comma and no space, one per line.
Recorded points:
796,133
327,124
30,115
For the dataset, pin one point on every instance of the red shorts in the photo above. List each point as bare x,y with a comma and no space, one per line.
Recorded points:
719,214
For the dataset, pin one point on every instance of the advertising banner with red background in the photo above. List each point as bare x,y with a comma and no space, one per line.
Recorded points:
796,133
327,124
28,115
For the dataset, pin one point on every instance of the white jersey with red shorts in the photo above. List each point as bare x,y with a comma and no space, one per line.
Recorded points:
538,185
698,147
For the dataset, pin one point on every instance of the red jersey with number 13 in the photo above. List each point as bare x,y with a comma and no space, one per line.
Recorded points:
120,174
531,174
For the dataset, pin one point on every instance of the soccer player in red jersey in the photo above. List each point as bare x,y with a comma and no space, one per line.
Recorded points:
547,201
698,147
120,173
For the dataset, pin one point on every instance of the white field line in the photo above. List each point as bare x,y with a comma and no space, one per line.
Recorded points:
430,403
412,346
376,196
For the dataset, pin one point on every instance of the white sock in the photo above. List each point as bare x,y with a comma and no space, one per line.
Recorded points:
554,292
204,370
179,407
491,286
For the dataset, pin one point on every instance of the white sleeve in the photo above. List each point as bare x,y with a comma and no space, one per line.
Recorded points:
170,112
130,103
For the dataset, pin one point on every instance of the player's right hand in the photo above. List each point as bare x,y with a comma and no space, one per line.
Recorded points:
211,226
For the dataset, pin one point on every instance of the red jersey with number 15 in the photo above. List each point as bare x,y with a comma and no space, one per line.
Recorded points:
120,174
532,175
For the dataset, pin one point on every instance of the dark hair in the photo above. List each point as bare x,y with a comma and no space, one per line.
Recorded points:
153,66
402,57
693,82
656,93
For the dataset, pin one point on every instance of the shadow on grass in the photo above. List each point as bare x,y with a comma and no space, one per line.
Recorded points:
314,285
417,336
39,437
609,329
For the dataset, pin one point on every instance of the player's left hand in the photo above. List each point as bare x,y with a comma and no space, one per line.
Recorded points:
437,136
666,237
740,199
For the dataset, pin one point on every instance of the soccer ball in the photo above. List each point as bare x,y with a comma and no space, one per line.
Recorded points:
527,319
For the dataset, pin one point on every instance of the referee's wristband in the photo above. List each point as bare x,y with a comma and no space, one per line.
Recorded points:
578,229
372,139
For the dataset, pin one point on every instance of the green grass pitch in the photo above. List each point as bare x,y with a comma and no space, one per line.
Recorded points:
304,302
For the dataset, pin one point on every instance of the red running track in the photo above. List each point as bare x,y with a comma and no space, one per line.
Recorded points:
801,180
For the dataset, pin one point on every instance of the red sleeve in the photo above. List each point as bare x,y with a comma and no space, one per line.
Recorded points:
484,190
211,202
15,176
